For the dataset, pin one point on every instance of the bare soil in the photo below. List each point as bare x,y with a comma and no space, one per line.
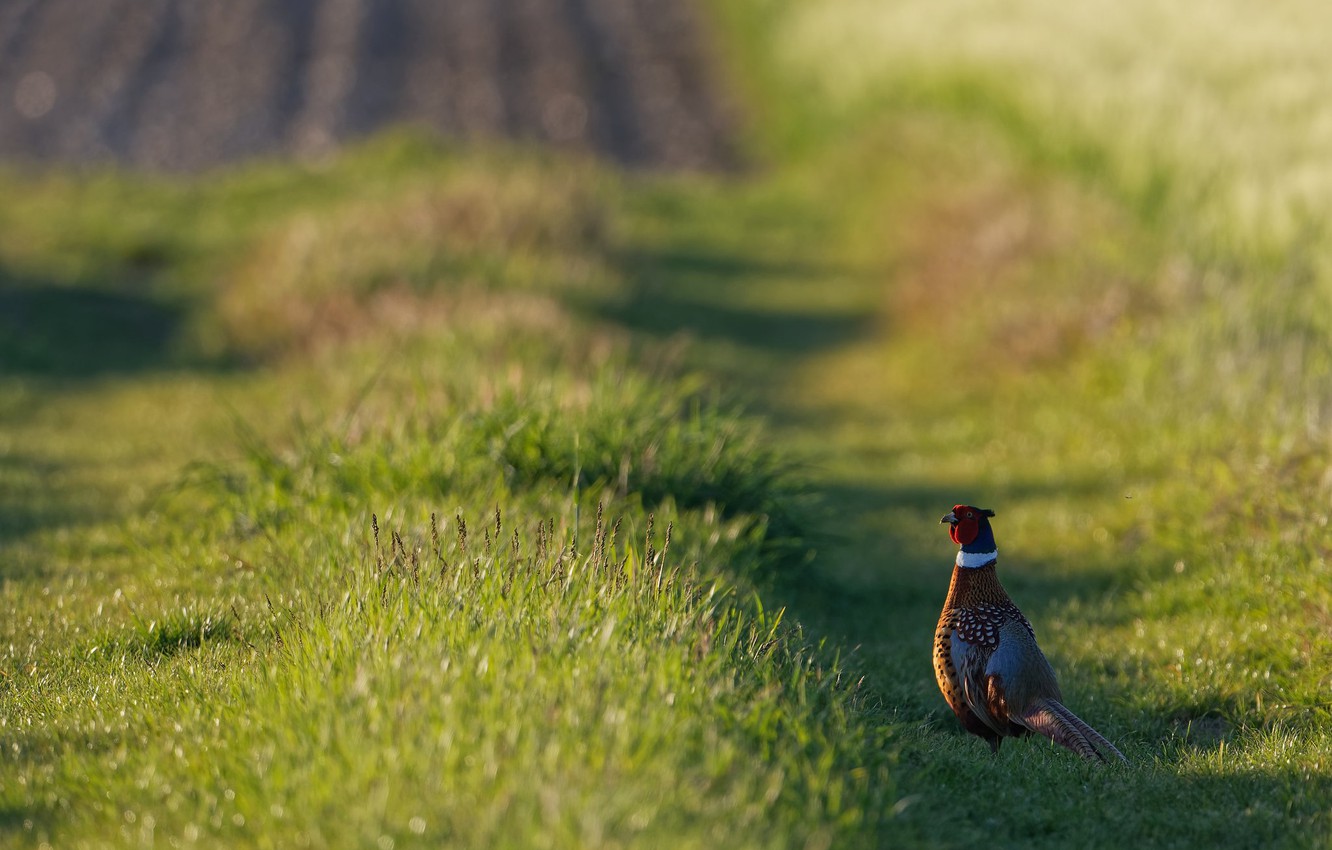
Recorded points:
183,85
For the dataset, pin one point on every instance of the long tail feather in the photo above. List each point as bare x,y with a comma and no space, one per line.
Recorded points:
1045,718
1050,718
1092,735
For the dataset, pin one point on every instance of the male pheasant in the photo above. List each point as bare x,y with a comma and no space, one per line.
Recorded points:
986,660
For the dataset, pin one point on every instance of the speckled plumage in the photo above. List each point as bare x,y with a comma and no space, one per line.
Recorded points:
989,667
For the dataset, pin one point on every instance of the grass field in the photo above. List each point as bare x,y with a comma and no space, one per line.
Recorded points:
497,499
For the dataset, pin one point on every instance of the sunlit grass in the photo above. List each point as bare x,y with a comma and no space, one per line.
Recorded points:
241,606
384,664
1227,106
240,609
1216,135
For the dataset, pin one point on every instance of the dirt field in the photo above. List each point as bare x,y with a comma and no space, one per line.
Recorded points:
187,84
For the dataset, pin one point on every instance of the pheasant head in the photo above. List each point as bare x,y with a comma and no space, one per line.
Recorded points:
969,527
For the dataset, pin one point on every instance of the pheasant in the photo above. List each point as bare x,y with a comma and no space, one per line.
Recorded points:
986,660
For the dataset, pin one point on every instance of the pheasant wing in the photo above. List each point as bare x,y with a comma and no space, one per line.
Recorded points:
971,661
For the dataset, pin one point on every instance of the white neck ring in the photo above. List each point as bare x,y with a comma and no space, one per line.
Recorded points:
971,560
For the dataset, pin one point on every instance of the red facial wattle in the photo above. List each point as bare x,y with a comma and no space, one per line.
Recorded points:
963,531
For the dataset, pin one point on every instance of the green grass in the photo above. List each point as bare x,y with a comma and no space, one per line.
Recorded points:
253,616
246,418
535,675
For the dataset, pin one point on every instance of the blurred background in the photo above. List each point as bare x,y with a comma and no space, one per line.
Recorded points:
178,85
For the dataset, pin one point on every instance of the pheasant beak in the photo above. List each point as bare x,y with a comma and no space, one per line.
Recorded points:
949,517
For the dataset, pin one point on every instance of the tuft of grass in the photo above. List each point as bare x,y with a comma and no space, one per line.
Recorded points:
537,673
683,451
405,259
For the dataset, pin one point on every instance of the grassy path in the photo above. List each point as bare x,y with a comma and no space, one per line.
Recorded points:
241,600
852,303
923,304
930,332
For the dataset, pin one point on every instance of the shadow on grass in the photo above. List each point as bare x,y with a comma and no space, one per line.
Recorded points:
1145,805
54,332
173,635
772,330
890,514
35,497
20,514
58,330
694,290
19,822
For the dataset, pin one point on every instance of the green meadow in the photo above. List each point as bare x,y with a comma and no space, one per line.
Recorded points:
437,496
